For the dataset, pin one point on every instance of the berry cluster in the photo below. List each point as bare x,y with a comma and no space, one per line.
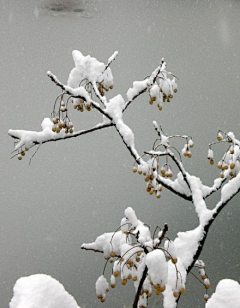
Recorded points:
204,278
128,265
62,124
80,105
162,90
22,153
104,87
152,170
230,162
60,119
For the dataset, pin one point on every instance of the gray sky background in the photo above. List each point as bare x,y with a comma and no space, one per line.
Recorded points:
78,189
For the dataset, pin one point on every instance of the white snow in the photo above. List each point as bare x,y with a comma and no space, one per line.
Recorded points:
227,295
138,86
230,188
113,57
41,291
202,211
27,138
102,286
115,110
85,67
186,244
157,267
107,242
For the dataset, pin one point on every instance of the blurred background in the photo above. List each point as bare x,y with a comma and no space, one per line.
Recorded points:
75,190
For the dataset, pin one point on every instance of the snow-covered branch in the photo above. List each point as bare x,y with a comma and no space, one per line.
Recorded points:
152,261
27,139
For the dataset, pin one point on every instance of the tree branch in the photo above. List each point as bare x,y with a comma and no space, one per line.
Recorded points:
136,299
78,93
16,134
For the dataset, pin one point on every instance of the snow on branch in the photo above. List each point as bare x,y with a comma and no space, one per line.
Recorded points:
27,139
161,86
157,169
152,261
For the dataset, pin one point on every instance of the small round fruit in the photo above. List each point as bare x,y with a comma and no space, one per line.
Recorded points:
116,273
157,291
135,278
112,254
124,282
206,297
159,107
176,294
134,170
113,285
211,161
183,291
19,157
23,153
232,166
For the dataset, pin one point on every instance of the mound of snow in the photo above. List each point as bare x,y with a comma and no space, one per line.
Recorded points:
227,295
41,291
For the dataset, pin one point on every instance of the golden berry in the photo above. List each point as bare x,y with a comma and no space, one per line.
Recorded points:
116,273
124,282
232,166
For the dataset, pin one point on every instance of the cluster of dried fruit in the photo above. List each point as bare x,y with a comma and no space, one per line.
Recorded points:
62,124
104,87
80,105
230,162
150,176
162,91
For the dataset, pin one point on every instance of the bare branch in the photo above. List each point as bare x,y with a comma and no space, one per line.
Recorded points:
144,275
95,250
